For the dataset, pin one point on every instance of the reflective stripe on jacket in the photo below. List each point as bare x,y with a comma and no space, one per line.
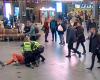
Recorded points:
27,46
35,45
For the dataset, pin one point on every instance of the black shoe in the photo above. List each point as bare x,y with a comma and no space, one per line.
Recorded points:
84,53
80,55
27,65
43,60
60,43
46,40
68,56
98,61
89,69
98,67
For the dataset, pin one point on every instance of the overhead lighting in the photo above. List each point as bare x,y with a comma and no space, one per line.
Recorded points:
47,9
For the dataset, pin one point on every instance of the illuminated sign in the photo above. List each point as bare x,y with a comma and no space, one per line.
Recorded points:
83,6
8,9
16,11
59,6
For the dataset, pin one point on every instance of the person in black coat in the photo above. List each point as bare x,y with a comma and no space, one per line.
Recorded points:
91,24
80,37
94,46
70,39
27,27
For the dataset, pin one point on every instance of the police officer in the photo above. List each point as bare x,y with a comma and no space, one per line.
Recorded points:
27,51
37,50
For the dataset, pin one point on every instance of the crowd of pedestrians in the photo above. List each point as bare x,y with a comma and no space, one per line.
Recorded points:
75,34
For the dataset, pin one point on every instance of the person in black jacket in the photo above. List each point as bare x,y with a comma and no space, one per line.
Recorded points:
91,24
27,27
70,39
80,36
94,46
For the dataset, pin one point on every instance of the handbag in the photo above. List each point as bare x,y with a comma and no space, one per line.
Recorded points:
60,28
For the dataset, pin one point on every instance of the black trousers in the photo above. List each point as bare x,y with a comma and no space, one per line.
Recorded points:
28,57
82,43
93,59
70,47
54,35
46,35
37,54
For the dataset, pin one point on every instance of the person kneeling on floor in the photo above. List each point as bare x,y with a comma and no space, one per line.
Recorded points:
37,50
27,51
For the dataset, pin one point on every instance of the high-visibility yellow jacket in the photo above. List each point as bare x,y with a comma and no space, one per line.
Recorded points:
27,46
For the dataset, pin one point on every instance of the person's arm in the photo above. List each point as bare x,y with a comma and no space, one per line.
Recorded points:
22,51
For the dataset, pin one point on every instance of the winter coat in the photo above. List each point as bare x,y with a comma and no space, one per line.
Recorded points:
80,34
71,35
94,43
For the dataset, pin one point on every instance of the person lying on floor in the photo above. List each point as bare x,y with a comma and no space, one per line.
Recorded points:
16,58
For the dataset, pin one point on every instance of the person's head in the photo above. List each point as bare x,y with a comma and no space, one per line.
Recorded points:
27,39
93,30
28,23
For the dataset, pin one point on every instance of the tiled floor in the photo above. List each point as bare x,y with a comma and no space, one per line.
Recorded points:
56,66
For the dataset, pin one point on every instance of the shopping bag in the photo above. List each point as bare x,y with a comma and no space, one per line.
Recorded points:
60,28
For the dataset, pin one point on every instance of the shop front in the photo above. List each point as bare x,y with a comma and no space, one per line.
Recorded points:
46,13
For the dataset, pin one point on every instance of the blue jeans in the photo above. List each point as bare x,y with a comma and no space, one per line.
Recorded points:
61,36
